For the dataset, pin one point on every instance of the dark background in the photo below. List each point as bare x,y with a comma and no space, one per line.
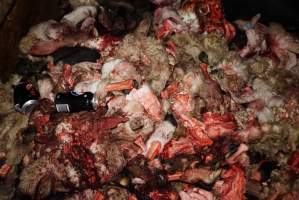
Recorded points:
25,13
21,16
285,12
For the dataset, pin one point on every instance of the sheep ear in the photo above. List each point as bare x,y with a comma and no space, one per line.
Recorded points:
255,19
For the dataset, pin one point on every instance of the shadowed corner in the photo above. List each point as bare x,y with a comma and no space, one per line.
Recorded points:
284,12
19,17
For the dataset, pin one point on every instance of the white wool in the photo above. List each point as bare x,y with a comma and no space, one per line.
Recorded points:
163,134
138,181
45,88
95,148
142,93
116,103
72,175
79,14
78,3
191,19
40,30
241,70
109,66
262,90
265,115
196,84
133,108
100,91
87,86
93,43
124,71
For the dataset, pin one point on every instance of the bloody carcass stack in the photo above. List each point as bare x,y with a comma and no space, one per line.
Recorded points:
185,109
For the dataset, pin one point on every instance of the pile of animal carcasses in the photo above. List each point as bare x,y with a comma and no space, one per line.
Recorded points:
161,99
